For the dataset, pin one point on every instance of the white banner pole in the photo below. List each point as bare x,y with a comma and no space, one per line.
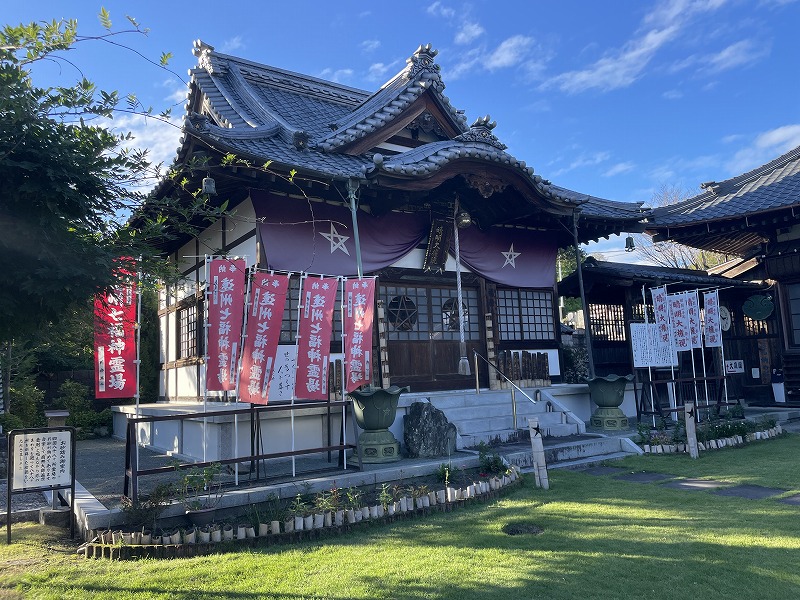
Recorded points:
344,369
138,326
297,358
206,357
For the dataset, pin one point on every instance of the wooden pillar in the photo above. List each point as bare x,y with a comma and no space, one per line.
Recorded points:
691,430
383,346
537,449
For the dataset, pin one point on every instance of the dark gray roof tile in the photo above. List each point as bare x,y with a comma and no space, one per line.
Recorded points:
770,186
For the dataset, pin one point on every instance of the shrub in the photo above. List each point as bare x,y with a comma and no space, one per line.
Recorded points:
9,421
74,397
576,364
27,402
490,462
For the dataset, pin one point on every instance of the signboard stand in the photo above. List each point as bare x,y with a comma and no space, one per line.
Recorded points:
39,460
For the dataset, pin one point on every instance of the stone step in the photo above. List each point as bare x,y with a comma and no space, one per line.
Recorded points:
494,410
487,437
582,463
576,452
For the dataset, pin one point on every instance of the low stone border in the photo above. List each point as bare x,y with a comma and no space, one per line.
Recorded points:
445,500
717,444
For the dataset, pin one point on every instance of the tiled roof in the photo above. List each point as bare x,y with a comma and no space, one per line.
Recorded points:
608,271
265,113
772,186
420,75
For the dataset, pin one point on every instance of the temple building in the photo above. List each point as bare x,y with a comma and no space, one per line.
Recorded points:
299,161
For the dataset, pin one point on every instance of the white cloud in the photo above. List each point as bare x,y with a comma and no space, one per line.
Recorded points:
618,71
437,9
161,139
234,43
509,53
765,147
370,45
672,11
740,54
673,94
338,75
377,71
468,33
178,93
469,61
734,137
583,160
622,67
619,168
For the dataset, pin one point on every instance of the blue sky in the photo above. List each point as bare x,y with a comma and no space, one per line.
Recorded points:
614,99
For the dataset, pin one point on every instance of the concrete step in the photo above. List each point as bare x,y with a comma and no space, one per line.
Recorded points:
576,453
487,437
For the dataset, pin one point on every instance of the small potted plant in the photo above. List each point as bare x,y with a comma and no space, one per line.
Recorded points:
200,491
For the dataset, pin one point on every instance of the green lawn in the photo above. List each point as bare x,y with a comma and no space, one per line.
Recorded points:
602,539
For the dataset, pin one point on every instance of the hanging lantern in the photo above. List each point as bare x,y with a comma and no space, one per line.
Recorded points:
209,186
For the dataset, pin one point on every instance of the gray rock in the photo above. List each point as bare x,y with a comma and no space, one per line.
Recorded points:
428,433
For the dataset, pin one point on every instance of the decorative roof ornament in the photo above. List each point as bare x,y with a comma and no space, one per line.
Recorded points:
481,131
205,57
198,122
422,61
486,185
427,122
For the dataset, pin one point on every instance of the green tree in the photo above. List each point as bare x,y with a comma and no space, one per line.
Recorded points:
566,265
70,185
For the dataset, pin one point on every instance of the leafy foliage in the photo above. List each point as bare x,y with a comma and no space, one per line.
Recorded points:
490,462
27,402
71,184
74,397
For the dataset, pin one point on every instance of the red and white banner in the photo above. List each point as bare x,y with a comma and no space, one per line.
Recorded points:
693,308
115,343
359,299
713,326
225,301
661,314
317,301
679,320
263,332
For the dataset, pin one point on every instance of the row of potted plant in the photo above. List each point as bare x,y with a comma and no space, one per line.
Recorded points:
329,509
710,444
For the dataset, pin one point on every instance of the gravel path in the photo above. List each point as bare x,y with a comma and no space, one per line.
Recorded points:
26,501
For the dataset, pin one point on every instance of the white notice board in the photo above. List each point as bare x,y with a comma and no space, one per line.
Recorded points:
648,351
42,459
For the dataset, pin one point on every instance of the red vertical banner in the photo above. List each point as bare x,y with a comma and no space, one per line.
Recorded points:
225,301
115,343
713,326
263,332
359,300
317,301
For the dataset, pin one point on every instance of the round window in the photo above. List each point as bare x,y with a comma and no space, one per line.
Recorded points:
401,312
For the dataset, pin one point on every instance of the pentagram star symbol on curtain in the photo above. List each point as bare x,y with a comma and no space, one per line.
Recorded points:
511,257
337,241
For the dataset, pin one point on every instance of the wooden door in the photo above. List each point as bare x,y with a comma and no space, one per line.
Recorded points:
423,335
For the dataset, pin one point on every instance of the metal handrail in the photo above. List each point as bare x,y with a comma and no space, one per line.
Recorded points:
514,386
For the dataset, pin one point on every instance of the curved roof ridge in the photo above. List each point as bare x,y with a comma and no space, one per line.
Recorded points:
420,74
783,159
213,61
768,187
